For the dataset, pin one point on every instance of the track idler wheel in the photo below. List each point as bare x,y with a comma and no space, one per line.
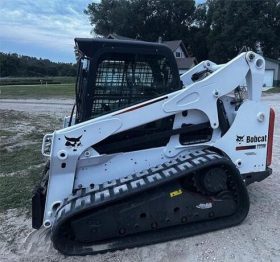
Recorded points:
211,182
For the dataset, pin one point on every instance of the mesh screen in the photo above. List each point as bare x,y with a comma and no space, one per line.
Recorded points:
124,80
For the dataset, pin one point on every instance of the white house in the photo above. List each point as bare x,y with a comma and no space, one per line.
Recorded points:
183,59
272,72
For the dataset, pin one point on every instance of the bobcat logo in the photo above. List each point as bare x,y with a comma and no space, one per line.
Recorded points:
239,139
73,141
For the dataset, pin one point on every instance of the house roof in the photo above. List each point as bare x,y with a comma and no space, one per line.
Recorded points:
182,63
272,60
186,63
173,45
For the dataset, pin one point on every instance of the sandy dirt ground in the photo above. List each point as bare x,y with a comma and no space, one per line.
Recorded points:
256,239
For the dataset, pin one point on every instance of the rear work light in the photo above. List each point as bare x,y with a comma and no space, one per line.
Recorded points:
270,137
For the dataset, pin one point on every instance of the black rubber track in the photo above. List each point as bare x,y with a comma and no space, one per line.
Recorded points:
78,204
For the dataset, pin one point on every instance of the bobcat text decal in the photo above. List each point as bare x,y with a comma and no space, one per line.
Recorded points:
251,140
254,139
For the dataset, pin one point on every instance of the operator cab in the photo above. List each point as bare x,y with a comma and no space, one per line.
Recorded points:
114,74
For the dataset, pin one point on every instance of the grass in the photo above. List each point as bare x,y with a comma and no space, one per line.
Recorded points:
20,157
11,117
36,80
6,133
37,91
273,90
16,191
33,136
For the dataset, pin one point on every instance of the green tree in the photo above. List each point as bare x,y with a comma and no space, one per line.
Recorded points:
199,31
234,24
23,66
217,29
143,19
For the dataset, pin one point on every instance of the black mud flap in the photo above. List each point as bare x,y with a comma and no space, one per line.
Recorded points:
39,199
38,207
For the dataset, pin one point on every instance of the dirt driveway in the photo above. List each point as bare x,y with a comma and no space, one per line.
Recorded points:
256,239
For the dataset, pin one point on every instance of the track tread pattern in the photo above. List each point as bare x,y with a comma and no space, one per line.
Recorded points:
111,191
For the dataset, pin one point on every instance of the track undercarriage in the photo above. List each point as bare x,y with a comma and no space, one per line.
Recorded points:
158,204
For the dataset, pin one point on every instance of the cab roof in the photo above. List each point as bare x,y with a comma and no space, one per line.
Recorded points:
90,46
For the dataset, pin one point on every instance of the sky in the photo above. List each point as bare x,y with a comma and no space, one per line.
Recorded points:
43,28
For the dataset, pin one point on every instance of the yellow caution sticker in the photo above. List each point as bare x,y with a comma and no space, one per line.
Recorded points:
176,193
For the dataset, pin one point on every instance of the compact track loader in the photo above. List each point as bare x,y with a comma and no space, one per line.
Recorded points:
150,156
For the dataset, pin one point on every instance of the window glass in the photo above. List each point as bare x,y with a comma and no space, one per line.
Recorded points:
123,79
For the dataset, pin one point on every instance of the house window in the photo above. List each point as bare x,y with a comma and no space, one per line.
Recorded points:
178,54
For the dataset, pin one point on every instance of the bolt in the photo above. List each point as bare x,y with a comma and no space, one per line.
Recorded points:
238,162
260,116
87,153
47,223
251,56
215,92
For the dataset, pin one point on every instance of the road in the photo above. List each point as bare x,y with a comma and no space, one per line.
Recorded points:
256,239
